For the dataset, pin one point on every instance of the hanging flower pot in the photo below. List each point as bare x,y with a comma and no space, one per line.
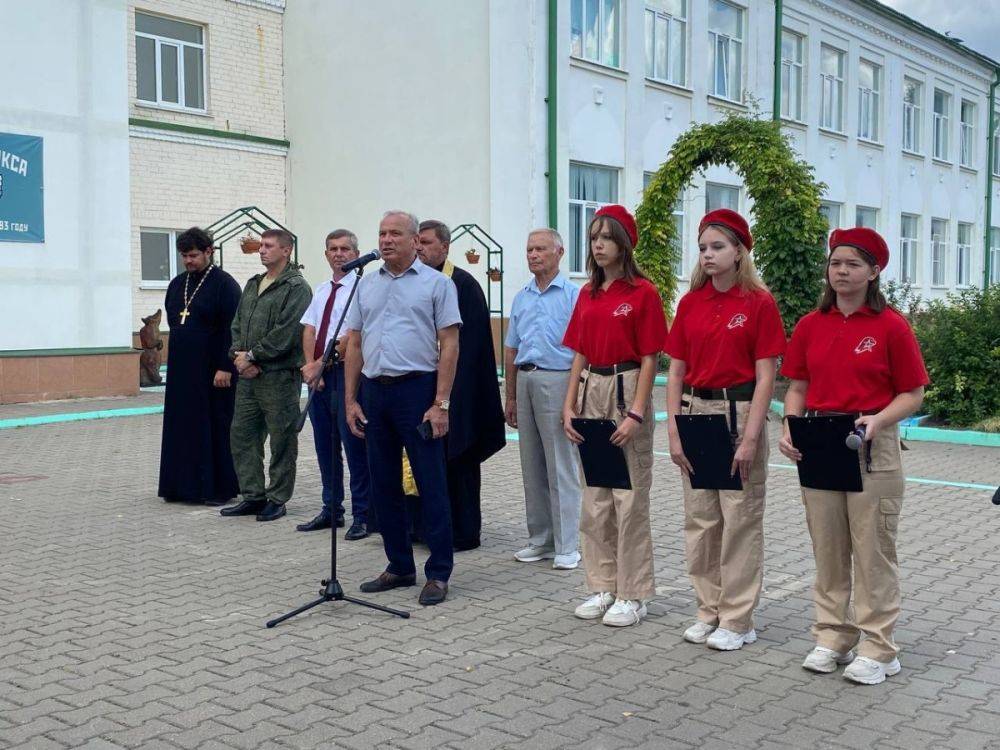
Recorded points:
249,245
494,274
472,256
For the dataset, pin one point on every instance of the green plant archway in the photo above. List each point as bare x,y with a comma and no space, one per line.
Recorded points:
789,232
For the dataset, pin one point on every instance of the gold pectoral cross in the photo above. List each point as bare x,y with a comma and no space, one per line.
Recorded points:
184,314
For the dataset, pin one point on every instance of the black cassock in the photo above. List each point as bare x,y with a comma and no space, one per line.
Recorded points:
195,461
475,416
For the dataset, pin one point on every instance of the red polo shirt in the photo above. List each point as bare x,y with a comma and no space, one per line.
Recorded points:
854,363
721,335
622,323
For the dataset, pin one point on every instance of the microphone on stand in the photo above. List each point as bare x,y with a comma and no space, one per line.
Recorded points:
364,260
856,438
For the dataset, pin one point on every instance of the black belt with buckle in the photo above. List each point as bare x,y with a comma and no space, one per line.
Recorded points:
531,367
741,392
615,369
393,379
825,413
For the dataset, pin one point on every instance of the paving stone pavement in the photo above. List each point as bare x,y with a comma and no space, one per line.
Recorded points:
129,623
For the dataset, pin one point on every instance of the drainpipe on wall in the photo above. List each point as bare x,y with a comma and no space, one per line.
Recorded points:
989,178
550,108
778,13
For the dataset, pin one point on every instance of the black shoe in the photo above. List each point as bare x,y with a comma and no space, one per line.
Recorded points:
169,499
341,523
322,521
433,593
246,508
388,581
358,530
271,512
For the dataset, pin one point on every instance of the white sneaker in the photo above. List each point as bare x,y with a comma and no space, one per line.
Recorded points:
727,640
534,554
867,671
825,660
595,606
567,562
699,632
625,612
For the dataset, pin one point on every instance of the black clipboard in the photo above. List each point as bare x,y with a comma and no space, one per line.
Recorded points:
603,462
827,463
708,446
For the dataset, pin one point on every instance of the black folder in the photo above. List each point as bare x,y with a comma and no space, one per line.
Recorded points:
603,462
709,448
827,463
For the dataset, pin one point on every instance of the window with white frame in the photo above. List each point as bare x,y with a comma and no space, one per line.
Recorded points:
963,254
678,215
792,78
590,187
158,258
865,216
967,144
721,196
831,212
831,115
913,92
869,99
595,31
909,248
666,40
725,38
994,255
939,250
942,123
169,62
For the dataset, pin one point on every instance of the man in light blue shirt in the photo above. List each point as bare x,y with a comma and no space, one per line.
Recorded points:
537,368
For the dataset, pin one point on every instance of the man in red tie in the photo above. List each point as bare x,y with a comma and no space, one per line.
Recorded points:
330,431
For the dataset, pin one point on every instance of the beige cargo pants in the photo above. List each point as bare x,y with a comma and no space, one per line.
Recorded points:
617,543
859,528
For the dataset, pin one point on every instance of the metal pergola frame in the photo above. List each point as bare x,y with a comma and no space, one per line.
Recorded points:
251,220
494,260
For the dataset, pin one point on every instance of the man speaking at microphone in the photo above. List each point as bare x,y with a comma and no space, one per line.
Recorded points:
402,351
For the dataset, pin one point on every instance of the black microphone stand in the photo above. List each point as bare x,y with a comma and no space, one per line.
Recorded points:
332,591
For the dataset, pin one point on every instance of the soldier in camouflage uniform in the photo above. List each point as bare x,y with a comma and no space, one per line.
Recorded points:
267,350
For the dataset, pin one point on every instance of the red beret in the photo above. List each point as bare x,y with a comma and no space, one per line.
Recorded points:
623,217
864,239
732,221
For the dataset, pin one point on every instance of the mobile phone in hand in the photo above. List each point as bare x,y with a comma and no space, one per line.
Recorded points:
425,430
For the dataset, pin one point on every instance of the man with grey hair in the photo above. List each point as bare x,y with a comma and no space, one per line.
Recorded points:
327,410
537,367
402,351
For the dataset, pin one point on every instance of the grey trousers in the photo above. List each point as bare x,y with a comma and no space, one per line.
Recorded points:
549,462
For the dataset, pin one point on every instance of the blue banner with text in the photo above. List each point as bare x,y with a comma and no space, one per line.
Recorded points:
22,212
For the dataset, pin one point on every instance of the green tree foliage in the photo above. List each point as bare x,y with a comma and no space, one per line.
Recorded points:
789,232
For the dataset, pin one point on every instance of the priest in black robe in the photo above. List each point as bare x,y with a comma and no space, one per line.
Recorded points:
196,465
475,415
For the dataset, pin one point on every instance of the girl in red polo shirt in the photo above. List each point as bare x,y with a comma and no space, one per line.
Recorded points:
856,355
616,330
723,347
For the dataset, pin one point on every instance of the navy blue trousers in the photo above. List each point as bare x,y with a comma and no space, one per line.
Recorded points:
394,412
330,434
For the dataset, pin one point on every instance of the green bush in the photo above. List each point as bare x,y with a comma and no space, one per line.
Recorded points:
960,340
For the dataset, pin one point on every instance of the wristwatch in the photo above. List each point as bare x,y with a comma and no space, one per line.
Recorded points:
444,404
250,357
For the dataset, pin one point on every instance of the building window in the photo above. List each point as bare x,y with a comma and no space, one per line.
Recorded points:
967,157
725,37
159,260
939,250
996,146
942,121
666,40
589,188
909,248
721,196
869,99
994,255
912,95
866,217
831,212
792,79
963,254
831,115
594,33
169,62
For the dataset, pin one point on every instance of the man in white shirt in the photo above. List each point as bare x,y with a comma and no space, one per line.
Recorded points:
327,413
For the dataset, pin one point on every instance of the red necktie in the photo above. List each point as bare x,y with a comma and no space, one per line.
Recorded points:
325,325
